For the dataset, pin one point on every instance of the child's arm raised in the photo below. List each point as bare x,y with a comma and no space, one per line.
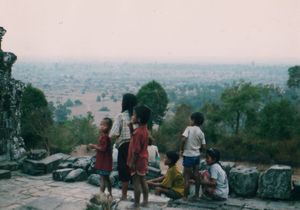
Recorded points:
102,146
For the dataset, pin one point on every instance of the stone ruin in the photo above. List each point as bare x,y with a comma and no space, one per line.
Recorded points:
11,143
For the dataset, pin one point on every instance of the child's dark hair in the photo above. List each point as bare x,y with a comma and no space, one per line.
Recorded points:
197,118
142,113
128,102
173,156
214,154
108,122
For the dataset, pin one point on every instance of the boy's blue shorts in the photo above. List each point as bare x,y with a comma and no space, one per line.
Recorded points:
190,162
103,172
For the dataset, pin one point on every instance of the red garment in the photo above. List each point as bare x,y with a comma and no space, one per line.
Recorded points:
138,145
104,154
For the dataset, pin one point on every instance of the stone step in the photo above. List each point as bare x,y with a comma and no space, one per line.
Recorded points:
5,174
44,166
9,165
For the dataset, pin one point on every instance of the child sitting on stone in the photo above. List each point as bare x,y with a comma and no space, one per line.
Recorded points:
171,184
214,181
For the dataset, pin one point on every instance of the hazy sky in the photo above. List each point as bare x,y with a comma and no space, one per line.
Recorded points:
181,30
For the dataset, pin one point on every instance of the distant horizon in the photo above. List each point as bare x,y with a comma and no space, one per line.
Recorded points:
151,60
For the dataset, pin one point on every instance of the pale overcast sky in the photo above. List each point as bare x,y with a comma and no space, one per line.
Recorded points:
154,30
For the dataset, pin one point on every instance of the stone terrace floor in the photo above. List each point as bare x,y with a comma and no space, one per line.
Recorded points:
41,192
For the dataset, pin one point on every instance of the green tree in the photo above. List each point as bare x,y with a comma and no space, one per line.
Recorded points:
36,118
169,135
61,113
69,103
98,99
278,120
294,77
155,97
238,101
213,126
64,137
77,102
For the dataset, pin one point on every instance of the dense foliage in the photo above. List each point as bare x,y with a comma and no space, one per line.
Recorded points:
248,122
155,97
45,126
36,118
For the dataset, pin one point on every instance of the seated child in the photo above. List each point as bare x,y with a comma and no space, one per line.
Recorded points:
172,184
215,182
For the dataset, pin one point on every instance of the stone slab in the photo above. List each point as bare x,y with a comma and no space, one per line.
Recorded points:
60,174
9,165
5,174
43,203
44,166
37,154
275,183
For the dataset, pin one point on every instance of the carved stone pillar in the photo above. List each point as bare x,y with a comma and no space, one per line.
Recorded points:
11,143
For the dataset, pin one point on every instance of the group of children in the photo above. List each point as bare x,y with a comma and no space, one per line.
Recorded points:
173,184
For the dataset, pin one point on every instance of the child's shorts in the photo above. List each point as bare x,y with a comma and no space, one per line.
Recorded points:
103,172
190,162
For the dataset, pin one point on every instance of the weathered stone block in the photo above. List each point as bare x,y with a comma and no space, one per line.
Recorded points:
9,165
37,154
227,166
296,190
47,165
275,182
82,162
5,174
60,174
76,175
243,181
94,179
68,163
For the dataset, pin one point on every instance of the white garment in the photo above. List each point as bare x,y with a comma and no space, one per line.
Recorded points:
195,138
217,173
153,153
120,128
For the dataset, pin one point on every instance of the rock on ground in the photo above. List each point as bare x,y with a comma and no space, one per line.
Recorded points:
60,174
5,174
243,181
76,175
275,182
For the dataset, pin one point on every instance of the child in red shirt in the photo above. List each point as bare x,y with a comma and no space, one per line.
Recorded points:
104,155
138,154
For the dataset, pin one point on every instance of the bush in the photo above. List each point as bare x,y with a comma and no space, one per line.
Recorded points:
65,136
104,109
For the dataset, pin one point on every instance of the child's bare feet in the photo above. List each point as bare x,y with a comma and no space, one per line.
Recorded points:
144,204
123,198
133,207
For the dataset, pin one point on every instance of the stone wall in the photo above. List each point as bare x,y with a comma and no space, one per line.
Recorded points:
11,143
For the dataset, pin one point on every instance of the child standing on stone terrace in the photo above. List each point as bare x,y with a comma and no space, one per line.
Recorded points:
192,141
215,182
104,155
138,155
